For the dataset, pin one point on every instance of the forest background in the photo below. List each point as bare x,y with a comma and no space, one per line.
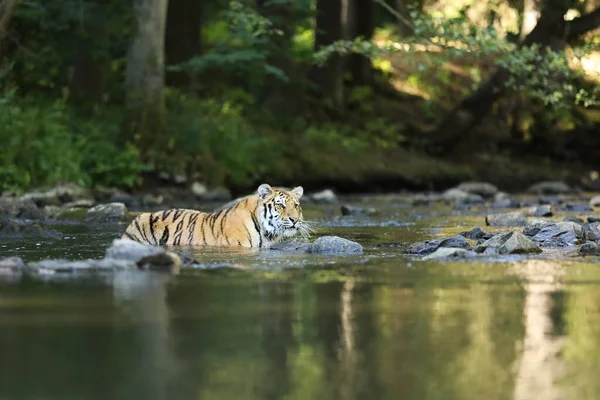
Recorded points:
360,95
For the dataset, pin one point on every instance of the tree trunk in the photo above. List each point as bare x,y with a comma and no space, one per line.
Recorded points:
183,40
404,7
145,102
328,30
550,31
7,8
361,21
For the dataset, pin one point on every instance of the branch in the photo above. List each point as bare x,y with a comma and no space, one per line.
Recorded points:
7,7
584,24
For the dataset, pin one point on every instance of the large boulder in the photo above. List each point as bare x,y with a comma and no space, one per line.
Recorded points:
295,244
110,212
335,245
558,234
16,228
145,256
508,243
506,219
550,187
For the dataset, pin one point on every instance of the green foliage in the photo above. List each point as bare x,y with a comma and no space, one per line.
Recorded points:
212,137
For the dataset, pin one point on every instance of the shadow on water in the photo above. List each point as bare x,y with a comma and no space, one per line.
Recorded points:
381,325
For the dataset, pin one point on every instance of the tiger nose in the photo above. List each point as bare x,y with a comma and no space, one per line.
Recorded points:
294,220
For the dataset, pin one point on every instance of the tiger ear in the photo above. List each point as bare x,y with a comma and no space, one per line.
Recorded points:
298,191
264,191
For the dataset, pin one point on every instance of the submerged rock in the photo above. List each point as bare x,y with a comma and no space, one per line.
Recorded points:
449,252
483,189
347,209
324,197
508,243
476,234
550,187
558,234
335,245
11,264
295,244
51,267
10,227
111,212
429,246
506,219
402,245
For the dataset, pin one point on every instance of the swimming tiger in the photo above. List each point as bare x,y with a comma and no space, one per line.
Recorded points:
259,220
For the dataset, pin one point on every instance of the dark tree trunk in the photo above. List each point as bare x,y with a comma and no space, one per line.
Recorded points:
551,31
361,21
328,30
182,38
404,7
7,8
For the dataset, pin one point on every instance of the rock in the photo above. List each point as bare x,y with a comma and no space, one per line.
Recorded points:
539,211
483,189
62,214
595,201
550,187
295,244
11,227
552,200
424,199
199,189
589,249
506,219
575,207
335,245
577,220
429,246
508,243
560,234
151,200
165,261
58,195
501,196
592,220
507,203
449,252
126,249
357,211
11,264
110,212
180,178
52,267
460,196
533,227
18,207
324,197
476,234
121,197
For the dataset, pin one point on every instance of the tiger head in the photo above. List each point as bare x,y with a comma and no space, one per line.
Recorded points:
280,212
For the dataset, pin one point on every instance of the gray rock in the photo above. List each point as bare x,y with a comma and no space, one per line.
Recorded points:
449,252
595,201
589,249
544,210
347,209
560,234
335,245
575,207
13,228
533,227
165,261
18,207
51,267
476,234
83,203
429,246
577,220
592,220
501,196
57,195
507,203
481,188
460,196
151,200
506,219
324,197
295,244
121,197
11,263
550,187
199,189
180,178
126,249
508,243
110,212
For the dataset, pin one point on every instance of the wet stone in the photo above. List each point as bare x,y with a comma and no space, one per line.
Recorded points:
347,209
544,210
164,261
335,245
483,189
577,220
450,253
461,197
295,244
589,249
508,243
575,207
476,234
13,228
560,234
595,201
126,249
111,212
51,267
324,197
429,246
506,219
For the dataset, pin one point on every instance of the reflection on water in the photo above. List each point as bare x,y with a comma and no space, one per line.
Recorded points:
376,326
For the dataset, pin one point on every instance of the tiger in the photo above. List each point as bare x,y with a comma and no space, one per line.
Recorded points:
259,220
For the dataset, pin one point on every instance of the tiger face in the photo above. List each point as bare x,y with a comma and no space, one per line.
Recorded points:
280,211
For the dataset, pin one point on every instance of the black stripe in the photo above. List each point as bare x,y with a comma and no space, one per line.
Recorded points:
192,226
249,235
139,228
177,214
223,220
152,221
213,222
129,236
166,214
255,222
202,228
239,243
165,237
